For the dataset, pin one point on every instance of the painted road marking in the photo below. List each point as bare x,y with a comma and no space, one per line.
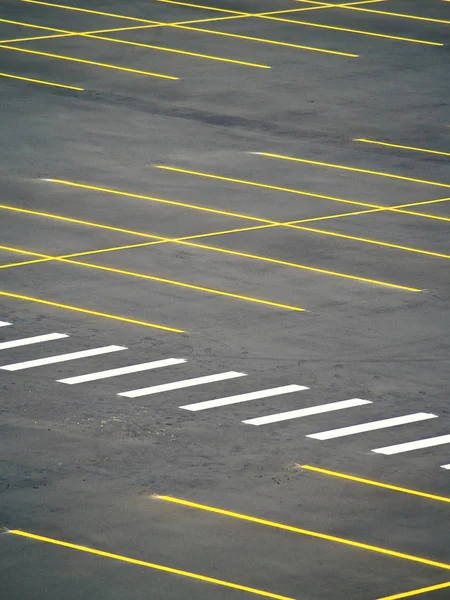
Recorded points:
42,82
427,150
149,565
4,323
86,311
37,339
445,467
425,590
278,391
307,532
156,364
416,445
354,169
50,360
375,483
371,426
306,412
177,385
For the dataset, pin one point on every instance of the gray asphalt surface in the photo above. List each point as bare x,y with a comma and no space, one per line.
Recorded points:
83,465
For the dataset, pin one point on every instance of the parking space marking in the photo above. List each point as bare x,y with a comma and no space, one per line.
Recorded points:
306,412
178,385
173,282
375,208
93,313
89,62
140,45
378,143
353,169
285,389
425,590
42,82
332,434
184,25
379,484
304,23
219,250
143,563
156,364
307,532
4,323
36,339
415,445
392,14
51,360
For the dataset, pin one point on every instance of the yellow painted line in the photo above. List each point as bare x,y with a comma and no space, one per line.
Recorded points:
90,312
376,207
40,81
183,25
425,590
354,169
401,15
157,279
306,23
139,44
149,565
215,249
387,486
427,150
307,532
89,62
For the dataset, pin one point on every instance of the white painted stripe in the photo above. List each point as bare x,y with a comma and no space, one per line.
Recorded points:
176,385
306,412
156,364
50,360
48,337
372,426
417,445
445,467
4,323
285,389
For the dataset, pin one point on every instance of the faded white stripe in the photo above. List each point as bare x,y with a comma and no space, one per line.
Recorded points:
156,364
306,412
29,364
286,389
371,426
176,385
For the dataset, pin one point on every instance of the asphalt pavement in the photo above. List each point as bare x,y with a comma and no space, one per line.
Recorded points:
224,292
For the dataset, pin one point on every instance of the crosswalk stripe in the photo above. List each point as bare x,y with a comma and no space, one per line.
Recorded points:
416,445
445,467
176,385
156,364
371,426
285,389
49,360
4,323
32,340
306,412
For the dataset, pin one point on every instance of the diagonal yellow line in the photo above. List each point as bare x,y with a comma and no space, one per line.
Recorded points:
40,81
149,565
354,169
376,207
307,532
214,249
184,25
305,23
425,590
386,486
89,312
139,44
157,279
89,62
413,148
